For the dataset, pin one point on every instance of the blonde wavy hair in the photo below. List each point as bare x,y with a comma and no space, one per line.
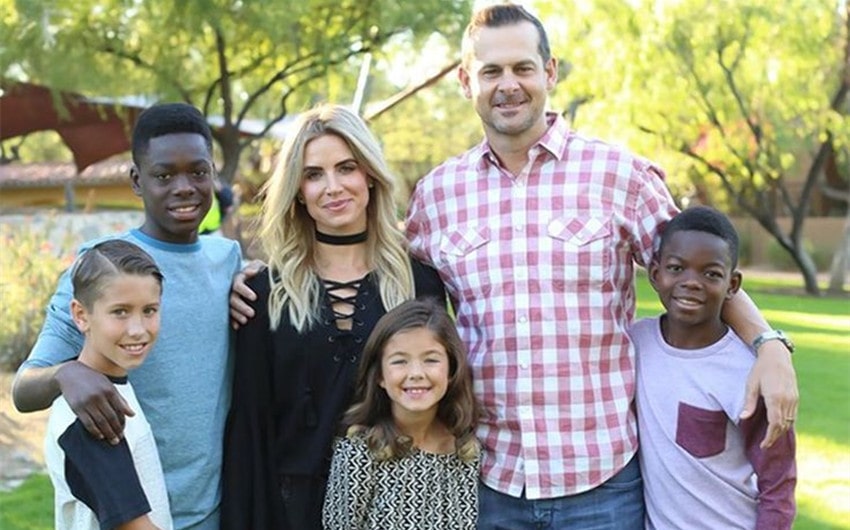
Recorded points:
288,233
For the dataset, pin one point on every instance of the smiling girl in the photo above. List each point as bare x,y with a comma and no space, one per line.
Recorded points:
410,456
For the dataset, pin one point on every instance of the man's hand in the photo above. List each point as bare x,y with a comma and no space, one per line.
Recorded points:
94,399
240,311
774,378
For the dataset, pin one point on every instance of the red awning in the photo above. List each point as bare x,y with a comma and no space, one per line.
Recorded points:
92,130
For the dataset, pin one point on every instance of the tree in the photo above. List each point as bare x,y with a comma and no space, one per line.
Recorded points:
758,132
422,130
752,94
235,59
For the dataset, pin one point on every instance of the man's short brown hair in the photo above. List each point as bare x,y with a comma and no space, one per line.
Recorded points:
499,15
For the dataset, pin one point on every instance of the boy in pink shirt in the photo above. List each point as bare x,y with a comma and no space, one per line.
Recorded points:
702,467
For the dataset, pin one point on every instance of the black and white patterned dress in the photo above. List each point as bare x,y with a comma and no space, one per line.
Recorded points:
420,491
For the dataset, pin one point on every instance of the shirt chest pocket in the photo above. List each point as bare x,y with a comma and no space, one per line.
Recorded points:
465,253
458,243
701,432
581,248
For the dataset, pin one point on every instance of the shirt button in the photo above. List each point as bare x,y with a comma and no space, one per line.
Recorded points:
523,319
518,228
524,366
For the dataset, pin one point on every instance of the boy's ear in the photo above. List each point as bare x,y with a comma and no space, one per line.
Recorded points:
134,180
80,315
735,282
653,272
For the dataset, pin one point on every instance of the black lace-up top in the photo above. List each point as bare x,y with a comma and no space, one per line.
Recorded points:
290,389
344,308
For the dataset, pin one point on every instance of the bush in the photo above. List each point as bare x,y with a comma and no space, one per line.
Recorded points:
29,268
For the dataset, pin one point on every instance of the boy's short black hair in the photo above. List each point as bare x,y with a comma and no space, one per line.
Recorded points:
107,260
168,118
703,219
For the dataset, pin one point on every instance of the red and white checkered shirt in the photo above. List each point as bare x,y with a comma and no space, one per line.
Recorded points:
540,267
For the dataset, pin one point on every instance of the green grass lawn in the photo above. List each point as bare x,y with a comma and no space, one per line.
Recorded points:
821,329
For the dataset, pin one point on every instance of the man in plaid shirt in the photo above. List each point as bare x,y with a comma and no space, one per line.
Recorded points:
535,233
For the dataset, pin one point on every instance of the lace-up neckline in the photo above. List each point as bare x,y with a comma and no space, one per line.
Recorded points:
342,298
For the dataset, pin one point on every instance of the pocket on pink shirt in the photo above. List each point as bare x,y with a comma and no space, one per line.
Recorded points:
578,231
583,251
462,242
701,432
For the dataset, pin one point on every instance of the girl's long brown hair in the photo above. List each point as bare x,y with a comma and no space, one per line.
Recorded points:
371,415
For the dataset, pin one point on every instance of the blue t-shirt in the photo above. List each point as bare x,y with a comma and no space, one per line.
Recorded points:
184,384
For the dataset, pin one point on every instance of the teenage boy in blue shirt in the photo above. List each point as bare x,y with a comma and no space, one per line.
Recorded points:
184,386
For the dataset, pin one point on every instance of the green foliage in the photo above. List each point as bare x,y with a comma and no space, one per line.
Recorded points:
201,50
734,98
29,269
747,84
262,59
424,131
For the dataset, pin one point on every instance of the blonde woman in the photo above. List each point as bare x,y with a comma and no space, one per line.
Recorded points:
336,264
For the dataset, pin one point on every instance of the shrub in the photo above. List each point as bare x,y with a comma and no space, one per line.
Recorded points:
30,265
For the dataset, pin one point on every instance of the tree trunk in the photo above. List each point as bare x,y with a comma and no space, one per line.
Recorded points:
840,260
794,247
231,149
807,269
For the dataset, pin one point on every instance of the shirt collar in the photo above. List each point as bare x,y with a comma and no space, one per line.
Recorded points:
554,140
556,137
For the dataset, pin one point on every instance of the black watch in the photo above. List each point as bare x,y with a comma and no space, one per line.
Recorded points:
773,334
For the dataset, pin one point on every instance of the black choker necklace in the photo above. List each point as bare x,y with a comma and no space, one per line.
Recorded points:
352,239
